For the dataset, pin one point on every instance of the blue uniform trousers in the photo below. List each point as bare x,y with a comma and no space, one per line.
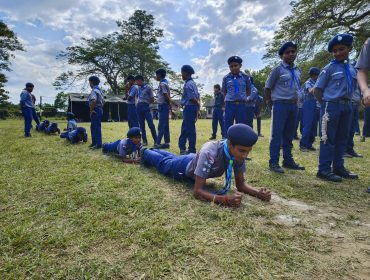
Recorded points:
143,113
163,123
111,147
241,113
218,118
331,152
169,164
283,128
299,123
257,111
34,116
132,116
309,121
64,135
27,115
366,127
188,131
352,128
95,127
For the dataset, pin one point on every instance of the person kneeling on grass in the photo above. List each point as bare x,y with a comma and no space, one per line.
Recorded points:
129,146
75,136
42,125
212,161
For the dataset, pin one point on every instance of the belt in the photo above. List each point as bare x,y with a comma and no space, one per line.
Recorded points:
237,102
355,102
287,101
340,101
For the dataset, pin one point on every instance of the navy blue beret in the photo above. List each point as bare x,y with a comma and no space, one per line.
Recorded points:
46,122
161,72
187,69
130,77
234,58
81,130
343,39
314,71
94,79
134,131
29,85
242,134
139,77
70,116
287,45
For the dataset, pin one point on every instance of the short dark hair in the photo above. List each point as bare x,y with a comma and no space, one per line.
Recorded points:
217,86
139,77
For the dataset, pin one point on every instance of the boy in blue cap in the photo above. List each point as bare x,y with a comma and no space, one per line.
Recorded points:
127,147
309,110
131,107
218,112
334,88
26,105
281,93
96,103
212,161
236,87
75,136
42,126
164,106
145,97
52,128
190,100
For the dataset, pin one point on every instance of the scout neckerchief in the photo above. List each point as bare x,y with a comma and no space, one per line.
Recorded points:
229,171
294,78
348,74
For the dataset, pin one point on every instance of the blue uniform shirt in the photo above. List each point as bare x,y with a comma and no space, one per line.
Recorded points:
251,100
145,94
133,93
190,91
334,83
211,162
235,87
96,95
284,82
126,147
356,97
71,125
306,87
163,88
218,100
363,61
26,99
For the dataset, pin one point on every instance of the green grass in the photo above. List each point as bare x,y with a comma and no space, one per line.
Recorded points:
70,213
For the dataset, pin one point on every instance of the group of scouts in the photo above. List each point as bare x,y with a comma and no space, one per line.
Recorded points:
333,87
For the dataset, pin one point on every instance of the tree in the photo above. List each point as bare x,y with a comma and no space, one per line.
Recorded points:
60,101
312,24
132,50
9,43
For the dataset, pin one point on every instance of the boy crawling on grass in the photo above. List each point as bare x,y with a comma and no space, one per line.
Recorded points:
127,149
211,161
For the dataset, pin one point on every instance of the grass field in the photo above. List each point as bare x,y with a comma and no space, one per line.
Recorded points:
70,213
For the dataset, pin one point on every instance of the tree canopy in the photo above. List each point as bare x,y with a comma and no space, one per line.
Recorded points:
313,22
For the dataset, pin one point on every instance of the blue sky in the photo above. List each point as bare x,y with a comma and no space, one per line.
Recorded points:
201,33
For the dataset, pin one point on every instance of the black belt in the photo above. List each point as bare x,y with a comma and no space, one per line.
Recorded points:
287,101
340,101
237,102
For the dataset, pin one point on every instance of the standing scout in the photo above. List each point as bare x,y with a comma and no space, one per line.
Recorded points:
131,108
145,97
163,100
212,161
96,102
218,112
334,88
26,105
281,90
190,101
309,115
236,87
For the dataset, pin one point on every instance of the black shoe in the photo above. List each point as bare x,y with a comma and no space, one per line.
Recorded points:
313,149
212,138
275,167
344,173
293,165
304,149
362,139
296,138
347,155
183,152
165,146
260,135
357,133
330,176
157,146
96,147
248,158
354,154
91,145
